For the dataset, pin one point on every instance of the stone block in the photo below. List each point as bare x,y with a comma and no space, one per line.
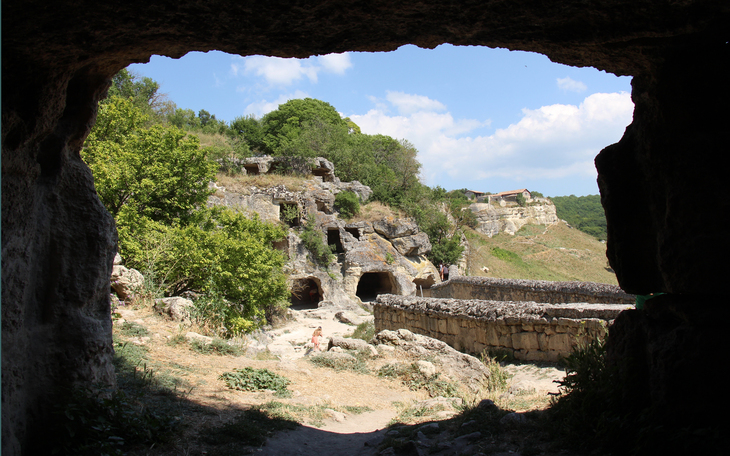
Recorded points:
560,343
525,341
491,336
442,326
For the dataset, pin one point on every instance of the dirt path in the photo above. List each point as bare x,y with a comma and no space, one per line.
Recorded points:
355,409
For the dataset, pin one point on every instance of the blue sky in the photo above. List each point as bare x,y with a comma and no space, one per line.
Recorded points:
484,119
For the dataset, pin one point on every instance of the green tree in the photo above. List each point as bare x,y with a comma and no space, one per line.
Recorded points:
283,127
160,172
347,204
154,180
582,212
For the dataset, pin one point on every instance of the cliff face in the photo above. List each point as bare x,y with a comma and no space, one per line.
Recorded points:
383,256
494,219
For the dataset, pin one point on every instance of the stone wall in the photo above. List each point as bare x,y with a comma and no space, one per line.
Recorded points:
528,330
491,289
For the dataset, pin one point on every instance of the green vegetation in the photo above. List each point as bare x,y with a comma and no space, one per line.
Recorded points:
347,204
411,376
364,331
313,240
582,212
216,346
250,379
153,178
356,363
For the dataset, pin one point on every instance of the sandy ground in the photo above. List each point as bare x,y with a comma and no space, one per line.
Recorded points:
339,434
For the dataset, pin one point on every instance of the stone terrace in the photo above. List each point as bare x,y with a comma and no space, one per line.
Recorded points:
530,331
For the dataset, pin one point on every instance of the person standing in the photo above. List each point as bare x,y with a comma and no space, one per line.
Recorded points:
315,338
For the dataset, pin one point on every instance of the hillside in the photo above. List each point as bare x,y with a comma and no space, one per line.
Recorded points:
537,252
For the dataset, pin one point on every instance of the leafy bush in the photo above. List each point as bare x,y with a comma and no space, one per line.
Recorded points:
313,240
250,379
347,204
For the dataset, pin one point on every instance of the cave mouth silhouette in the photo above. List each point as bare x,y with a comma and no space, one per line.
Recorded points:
306,293
371,284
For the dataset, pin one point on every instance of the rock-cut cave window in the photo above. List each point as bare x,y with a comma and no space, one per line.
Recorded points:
333,239
372,284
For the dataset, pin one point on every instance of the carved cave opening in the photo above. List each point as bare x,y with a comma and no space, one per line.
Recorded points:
334,240
324,173
423,286
372,284
290,214
355,232
252,169
306,293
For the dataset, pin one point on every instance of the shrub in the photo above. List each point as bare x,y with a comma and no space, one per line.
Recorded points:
250,379
217,346
313,240
347,204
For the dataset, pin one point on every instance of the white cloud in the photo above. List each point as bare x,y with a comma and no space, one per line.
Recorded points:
550,142
408,104
277,71
335,63
263,107
567,84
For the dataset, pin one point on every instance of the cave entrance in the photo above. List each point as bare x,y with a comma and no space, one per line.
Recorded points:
252,170
333,239
372,284
423,286
306,293
355,232
324,173
290,214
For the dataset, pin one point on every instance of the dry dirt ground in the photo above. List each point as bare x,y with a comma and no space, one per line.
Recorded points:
341,412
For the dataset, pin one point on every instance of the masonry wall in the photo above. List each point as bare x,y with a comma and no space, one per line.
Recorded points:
491,289
528,330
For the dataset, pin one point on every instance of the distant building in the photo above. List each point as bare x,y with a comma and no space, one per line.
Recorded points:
510,196
473,194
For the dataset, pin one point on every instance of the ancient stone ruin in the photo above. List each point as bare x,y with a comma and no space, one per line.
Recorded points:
661,184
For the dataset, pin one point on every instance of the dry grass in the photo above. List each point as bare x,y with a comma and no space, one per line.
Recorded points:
243,184
377,211
557,253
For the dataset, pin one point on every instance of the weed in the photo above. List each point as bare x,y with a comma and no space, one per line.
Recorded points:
217,346
498,377
364,331
355,364
412,377
250,379
132,329
178,339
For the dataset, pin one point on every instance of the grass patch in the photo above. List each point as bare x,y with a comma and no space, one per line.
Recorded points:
217,346
242,183
364,331
412,377
250,379
132,329
498,377
355,364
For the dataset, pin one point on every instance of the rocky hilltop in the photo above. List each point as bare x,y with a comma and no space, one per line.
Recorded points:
509,218
371,257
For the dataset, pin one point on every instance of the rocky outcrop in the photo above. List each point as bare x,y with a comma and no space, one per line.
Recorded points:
58,241
493,219
390,254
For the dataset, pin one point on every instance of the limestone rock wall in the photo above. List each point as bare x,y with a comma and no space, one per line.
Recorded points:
528,330
493,289
493,219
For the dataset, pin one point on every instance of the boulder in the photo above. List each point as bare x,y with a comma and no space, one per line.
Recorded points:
391,229
347,343
176,308
126,282
414,245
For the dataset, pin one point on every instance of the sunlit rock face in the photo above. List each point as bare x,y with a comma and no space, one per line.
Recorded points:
661,185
